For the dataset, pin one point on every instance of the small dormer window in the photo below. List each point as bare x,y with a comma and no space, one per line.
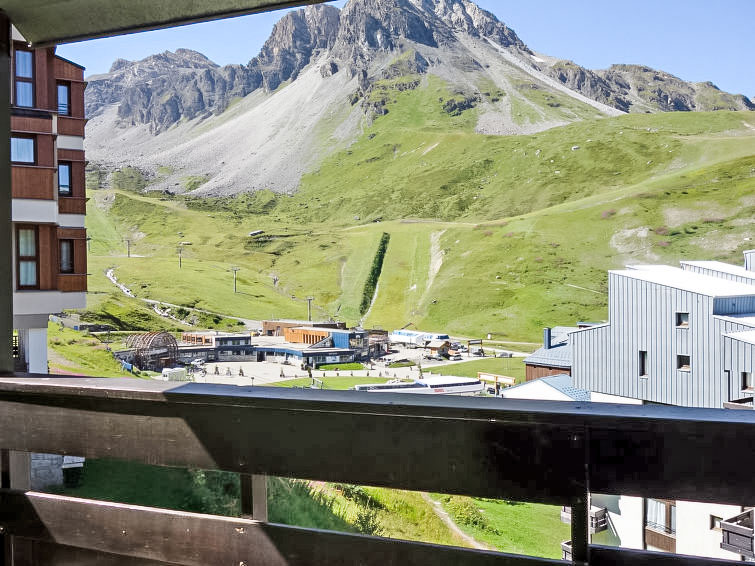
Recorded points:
682,319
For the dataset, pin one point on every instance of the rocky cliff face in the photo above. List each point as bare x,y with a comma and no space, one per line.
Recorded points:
164,89
635,88
295,39
662,91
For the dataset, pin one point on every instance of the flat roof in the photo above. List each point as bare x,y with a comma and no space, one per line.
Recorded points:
687,281
306,323
747,336
280,343
214,333
444,379
723,268
747,319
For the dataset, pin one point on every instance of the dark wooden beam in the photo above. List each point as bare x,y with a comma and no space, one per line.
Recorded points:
310,435
199,540
610,556
521,450
44,24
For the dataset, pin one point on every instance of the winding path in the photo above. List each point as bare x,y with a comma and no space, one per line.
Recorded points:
446,518
110,274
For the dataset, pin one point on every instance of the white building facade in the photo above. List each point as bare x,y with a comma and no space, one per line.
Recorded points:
679,336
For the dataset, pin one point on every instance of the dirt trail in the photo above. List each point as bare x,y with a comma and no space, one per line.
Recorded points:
446,518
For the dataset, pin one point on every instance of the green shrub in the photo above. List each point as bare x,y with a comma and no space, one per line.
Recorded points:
465,512
372,279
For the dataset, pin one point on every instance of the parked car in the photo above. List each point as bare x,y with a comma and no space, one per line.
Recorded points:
456,358
505,354
478,353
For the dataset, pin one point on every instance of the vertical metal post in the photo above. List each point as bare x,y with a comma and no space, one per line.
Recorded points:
580,506
309,308
235,271
6,219
254,497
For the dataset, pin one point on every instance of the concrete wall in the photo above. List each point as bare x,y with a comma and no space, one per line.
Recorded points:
626,521
535,390
693,533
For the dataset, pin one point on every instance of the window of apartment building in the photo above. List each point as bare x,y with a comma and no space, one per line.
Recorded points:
24,78
27,257
64,178
747,382
643,363
715,523
64,99
660,515
23,149
683,363
682,319
66,256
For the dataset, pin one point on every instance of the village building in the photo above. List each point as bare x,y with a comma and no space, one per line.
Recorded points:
676,336
554,357
48,196
278,327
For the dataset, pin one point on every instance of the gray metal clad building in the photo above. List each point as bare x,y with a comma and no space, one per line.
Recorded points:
676,336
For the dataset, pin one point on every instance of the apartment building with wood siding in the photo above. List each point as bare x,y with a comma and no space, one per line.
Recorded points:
48,195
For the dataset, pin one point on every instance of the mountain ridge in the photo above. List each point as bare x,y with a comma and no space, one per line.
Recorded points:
325,74
352,35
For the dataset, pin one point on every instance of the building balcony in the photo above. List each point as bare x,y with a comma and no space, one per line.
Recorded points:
33,182
72,282
598,518
539,451
566,551
72,205
737,534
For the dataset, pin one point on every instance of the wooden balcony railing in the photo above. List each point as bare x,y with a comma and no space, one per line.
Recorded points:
546,452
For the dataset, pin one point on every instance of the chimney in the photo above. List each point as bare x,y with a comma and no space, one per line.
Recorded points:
547,338
750,260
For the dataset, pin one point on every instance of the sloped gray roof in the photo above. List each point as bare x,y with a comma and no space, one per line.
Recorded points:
559,356
562,383
565,384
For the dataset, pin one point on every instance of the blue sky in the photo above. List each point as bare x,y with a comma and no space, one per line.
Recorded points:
697,40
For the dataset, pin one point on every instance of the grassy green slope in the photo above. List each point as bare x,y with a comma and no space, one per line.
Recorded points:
418,161
524,227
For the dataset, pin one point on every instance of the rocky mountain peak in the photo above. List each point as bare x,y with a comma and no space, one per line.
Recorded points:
292,43
370,25
361,39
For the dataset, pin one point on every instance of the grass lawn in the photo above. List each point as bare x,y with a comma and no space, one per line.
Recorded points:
341,367
71,352
407,515
524,228
519,528
511,367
